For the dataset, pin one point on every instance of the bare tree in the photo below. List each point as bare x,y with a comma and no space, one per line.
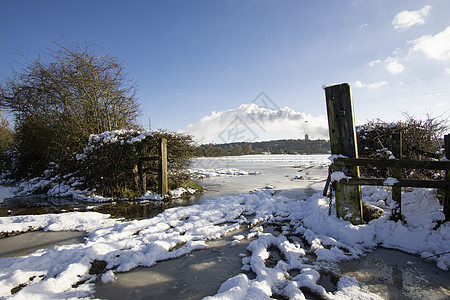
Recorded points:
61,98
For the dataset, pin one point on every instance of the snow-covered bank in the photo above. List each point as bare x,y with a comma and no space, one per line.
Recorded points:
79,221
309,241
206,167
223,161
204,173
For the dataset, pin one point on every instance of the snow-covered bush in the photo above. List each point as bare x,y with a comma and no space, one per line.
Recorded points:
109,161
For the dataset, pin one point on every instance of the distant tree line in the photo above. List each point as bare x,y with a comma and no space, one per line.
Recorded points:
421,139
292,146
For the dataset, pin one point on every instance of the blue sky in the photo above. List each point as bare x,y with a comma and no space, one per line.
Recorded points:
190,58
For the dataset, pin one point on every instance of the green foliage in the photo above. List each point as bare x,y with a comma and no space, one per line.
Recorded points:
192,185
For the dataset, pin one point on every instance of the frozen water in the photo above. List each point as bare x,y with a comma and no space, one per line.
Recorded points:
287,243
29,242
298,176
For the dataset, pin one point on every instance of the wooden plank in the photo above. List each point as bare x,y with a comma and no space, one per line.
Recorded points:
396,213
163,189
343,141
447,177
341,120
393,163
438,184
142,178
136,177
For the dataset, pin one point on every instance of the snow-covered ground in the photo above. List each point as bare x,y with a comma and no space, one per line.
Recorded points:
309,241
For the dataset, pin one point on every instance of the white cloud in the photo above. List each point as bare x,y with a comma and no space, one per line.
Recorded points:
250,122
362,26
442,104
447,71
405,19
393,66
373,85
374,62
433,46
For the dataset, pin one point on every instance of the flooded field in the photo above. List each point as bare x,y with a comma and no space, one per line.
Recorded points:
298,176
391,274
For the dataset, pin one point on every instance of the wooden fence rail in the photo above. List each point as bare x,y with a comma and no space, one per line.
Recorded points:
141,171
343,142
398,165
393,163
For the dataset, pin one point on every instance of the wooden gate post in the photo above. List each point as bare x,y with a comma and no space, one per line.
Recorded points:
397,173
142,177
447,177
162,172
343,141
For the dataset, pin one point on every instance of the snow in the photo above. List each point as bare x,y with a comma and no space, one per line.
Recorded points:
327,85
338,176
390,181
178,192
220,172
79,221
64,271
119,136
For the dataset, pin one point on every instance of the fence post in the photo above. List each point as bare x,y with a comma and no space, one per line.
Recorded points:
397,173
162,173
137,179
142,177
447,177
343,141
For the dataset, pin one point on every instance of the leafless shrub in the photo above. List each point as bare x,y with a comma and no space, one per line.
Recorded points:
421,140
61,98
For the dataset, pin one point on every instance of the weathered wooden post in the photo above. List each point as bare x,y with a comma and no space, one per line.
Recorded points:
447,177
162,172
343,141
136,177
142,177
397,173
